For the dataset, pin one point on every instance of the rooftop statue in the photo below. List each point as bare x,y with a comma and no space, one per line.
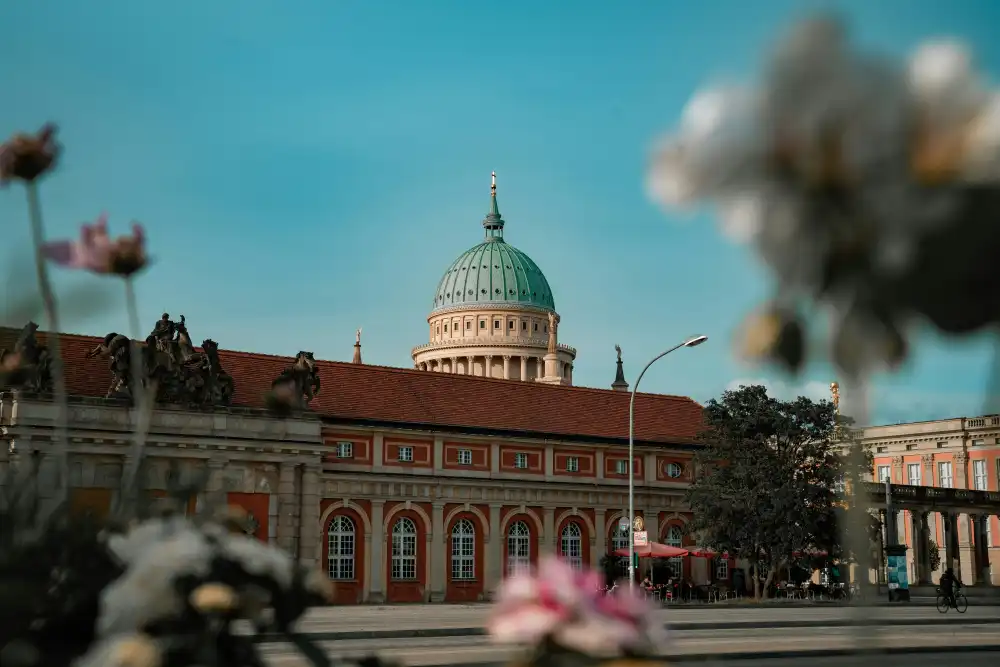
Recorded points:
29,365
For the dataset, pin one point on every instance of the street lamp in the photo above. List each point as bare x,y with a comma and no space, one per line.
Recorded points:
694,341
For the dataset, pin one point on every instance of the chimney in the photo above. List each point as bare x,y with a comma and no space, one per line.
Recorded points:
619,384
357,347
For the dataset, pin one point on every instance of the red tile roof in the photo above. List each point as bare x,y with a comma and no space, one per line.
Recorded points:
379,394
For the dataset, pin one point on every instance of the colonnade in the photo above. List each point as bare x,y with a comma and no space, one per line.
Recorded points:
515,367
963,533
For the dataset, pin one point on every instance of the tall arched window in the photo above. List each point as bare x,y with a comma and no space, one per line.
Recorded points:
404,549
572,545
620,540
463,550
674,539
340,552
518,548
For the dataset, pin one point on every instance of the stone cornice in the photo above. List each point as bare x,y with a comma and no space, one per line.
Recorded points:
522,342
485,307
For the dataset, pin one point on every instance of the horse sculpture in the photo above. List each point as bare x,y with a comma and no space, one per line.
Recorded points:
29,365
182,374
298,384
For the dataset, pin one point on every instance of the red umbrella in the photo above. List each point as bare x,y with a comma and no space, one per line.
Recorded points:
705,552
655,550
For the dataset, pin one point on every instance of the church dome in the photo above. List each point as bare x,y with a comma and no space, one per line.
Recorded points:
494,273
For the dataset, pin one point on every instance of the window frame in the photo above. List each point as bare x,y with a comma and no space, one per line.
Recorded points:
463,551
910,467
518,548
345,446
673,465
569,537
946,481
465,457
341,566
881,479
572,464
621,466
977,465
404,550
404,454
519,458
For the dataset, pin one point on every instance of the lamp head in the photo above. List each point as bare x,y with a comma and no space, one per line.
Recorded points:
695,341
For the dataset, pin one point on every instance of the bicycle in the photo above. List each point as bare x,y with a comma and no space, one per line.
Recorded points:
943,605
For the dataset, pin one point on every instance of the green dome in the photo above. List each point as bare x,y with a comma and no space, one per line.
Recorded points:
494,272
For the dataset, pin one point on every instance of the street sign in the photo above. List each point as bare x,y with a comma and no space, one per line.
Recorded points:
623,523
640,538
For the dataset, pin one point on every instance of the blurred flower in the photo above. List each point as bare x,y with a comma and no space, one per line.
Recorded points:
851,175
773,334
98,253
25,157
570,610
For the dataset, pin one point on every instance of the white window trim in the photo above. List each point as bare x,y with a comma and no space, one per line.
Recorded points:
465,457
405,455
910,467
674,467
883,473
721,568
980,479
345,449
518,548
521,460
946,476
621,467
404,549
571,545
341,550
573,464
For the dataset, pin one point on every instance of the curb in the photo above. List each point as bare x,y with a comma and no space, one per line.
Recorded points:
787,655
432,633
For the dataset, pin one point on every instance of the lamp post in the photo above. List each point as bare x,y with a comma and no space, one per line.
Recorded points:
690,342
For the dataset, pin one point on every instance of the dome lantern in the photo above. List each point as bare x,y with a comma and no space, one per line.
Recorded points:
493,223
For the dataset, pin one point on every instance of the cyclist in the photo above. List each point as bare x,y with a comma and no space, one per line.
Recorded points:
950,584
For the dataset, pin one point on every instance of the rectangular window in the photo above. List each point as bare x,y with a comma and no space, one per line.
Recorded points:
521,461
468,325
910,448
621,467
463,551
979,481
405,455
465,457
496,324
482,324
510,324
572,464
345,450
446,328
978,443
524,326
944,475
722,569
913,474
881,450
942,445
536,326
882,474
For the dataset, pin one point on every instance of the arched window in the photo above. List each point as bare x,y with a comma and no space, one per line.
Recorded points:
463,550
404,549
619,540
674,539
340,552
518,548
572,545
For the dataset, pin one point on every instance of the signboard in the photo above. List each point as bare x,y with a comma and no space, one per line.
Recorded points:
623,523
640,538
896,573
638,525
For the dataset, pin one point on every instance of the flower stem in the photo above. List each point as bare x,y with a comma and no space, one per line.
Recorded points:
143,400
60,451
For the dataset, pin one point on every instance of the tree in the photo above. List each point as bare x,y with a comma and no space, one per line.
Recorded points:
935,555
769,481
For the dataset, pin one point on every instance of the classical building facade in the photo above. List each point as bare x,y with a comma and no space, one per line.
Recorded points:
961,454
494,315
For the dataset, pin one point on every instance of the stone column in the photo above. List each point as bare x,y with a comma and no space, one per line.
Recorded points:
524,368
921,555
549,539
470,365
601,538
983,569
376,565
494,550
549,463
488,367
288,507
539,367
506,367
950,522
309,529
454,365
437,552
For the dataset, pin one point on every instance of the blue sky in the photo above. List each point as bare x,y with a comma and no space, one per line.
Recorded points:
308,167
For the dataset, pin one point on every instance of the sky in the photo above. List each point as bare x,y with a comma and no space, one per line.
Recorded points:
305,168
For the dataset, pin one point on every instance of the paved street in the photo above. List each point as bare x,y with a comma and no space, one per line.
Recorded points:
338,621
684,645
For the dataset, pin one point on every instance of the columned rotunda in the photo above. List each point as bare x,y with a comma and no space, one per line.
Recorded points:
494,315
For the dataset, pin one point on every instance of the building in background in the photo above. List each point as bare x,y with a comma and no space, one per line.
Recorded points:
961,453
404,485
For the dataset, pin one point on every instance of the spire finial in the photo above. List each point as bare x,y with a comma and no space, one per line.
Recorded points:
493,222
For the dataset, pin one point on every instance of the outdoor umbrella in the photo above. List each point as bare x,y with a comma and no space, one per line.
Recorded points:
654,550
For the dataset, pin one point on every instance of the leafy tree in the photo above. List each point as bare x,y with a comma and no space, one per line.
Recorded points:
770,480
613,567
935,555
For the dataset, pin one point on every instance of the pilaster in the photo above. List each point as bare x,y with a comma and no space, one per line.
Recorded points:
309,528
927,460
437,543
375,541
495,458
599,462
600,542
494,550
288,509
438,453
649,468
215,493
897,470
961,471
550,465
548,539
524,369
378,447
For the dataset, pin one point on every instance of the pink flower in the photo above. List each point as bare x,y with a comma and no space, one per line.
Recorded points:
98,253
571,609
